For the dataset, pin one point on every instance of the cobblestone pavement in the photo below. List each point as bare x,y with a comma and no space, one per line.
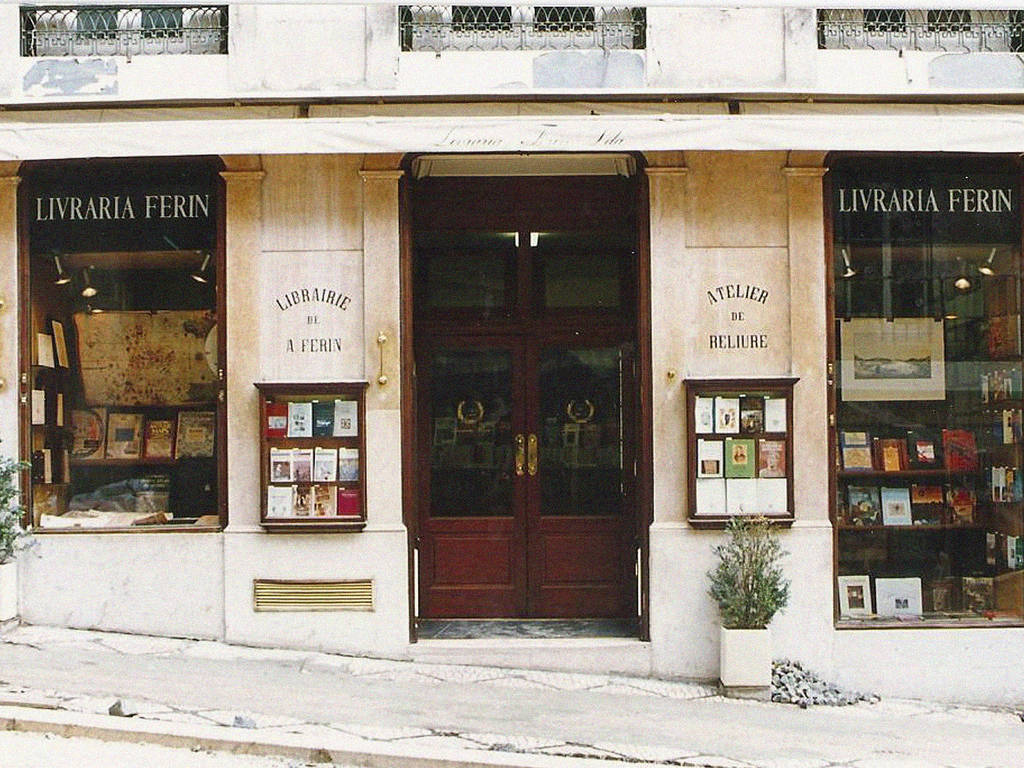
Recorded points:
438,706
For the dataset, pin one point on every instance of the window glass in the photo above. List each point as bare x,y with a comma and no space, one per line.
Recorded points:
930,496
123,357
464,270
580,269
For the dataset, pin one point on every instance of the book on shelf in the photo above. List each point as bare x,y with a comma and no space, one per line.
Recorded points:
710,458
921,449
323,418
59,415
38,407
704,415
739,457
775,414
727,415
279,500
300,419
348,465
348,503
864,505
302,464
302,500
196,434
1001,384
60,344
325,500
158,439
1006,484
1004,335
771,458
925,494
346,418
977,593
88,433
961,504
855,450
890,454
1009,427
44,350
710,500
281,465
325,463
124,435
277,419
960,450
896,506
47,465
751,414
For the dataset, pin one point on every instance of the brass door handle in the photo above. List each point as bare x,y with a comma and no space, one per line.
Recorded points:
520,454
531,455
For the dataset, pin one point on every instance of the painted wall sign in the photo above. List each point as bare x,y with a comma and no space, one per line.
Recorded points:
153,206
735,294
311,323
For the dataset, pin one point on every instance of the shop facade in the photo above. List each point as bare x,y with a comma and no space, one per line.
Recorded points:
525,371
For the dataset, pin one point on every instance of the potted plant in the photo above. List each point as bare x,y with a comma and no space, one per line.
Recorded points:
12,535
749,587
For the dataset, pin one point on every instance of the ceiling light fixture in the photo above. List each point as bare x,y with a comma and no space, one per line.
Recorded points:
200,275
63,278
849,271
986,268
88,291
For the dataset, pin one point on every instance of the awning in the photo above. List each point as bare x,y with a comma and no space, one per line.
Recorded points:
903,128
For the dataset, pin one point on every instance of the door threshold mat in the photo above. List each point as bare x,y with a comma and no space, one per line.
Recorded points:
472,629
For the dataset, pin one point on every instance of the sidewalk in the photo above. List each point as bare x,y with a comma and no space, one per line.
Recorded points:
359,711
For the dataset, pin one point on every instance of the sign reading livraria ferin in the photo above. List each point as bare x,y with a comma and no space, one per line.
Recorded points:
311,302
152,206
733,304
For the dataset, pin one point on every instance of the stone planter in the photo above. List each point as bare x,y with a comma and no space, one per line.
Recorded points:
746,663
8,591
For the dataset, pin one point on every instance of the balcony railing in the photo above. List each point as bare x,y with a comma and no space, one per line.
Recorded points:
123,31
954,31
520,28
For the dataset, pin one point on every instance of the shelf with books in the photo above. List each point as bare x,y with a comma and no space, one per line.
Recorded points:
854,474
140,461
312,448
739,433
914,527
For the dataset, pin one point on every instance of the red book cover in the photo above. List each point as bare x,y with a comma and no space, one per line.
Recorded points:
348,503
277,419
960,450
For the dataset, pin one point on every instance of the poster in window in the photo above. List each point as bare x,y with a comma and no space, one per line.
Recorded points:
899,359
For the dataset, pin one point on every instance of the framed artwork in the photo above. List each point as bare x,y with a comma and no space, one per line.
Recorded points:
900,359
898,597
854,597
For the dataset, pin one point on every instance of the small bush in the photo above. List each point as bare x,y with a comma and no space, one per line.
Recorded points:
747,583
11,510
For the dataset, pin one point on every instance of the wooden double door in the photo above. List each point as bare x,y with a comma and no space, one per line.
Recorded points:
526,397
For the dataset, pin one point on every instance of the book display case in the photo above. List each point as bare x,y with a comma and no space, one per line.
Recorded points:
312,456
929,495
740,450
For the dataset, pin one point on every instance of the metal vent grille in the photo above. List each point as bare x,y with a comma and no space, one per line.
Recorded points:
286,595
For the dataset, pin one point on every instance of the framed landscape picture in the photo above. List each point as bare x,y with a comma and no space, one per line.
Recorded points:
899,359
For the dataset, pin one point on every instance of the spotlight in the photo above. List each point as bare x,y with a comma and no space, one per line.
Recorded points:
986,268
63,278
849,271
88,291
200,275
962,284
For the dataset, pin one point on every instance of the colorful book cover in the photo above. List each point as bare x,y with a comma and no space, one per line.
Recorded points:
323,418
325,462
727,415
348,503
281,465
302,500
896,506
925,494
277,419
302,464
325,500
348,465
960,450
739,457
124,435
771,458
961,503
89,433
751,414
710,458
159,439
196,434
865,505
891,455
855,449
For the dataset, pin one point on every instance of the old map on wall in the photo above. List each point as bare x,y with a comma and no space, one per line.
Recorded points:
147,358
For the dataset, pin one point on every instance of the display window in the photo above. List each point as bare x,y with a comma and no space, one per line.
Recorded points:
929,495
122,375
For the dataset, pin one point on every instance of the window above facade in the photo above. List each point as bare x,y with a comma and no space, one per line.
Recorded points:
521,28
123,30
921,30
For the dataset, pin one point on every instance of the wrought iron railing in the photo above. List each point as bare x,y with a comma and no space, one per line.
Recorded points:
921,30
520,28
123,31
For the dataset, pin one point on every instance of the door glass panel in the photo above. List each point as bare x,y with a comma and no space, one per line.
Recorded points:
581,431
471,458
464,270
581,269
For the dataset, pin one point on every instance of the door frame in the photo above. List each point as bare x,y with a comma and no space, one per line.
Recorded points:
644,445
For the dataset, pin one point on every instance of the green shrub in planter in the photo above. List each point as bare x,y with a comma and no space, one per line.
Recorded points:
11,511
747,583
